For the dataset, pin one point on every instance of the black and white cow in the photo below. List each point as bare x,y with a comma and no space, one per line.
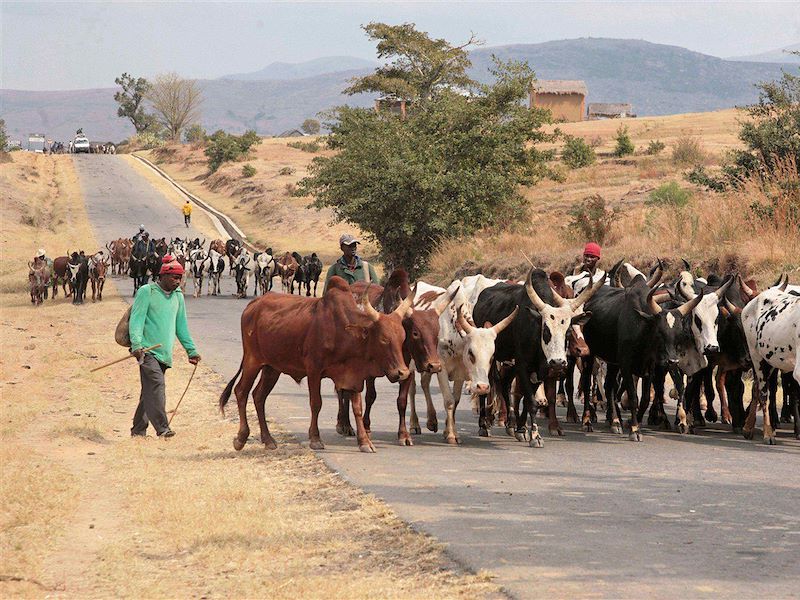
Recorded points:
78,266
242,271
197,264
216,265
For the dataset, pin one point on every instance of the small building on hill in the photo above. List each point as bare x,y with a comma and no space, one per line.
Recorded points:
601,110
566,99
291,133
394,105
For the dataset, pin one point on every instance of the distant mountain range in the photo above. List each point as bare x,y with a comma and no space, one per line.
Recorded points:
777,55
657,79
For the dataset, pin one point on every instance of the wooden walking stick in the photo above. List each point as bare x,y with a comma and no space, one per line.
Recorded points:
113,362
175,410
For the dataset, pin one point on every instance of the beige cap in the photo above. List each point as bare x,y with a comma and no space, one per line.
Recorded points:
348,239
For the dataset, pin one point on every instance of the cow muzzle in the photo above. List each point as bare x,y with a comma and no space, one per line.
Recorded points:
481,389
556,366
711,350
398,375
433,367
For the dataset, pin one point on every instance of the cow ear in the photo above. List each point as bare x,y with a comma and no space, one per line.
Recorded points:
534,312
644,315
582,318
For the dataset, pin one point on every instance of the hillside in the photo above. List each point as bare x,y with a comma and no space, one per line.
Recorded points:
712,231
657,79
311,68
776,55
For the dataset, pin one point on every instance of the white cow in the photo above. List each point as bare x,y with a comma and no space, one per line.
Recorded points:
197,263
266,268
466,352
771,323
216,265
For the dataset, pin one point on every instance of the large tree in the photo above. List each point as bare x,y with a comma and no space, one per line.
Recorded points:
176,101
131,101
417,66
443,172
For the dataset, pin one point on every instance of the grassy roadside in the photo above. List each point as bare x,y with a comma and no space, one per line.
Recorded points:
89,512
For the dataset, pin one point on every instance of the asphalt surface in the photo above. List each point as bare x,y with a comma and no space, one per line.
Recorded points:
588,515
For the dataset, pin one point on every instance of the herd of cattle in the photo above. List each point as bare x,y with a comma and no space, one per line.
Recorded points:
142,261
625,331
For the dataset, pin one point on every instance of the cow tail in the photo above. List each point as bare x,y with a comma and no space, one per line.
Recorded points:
226,393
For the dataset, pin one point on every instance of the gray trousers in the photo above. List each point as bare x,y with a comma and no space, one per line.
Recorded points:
153,399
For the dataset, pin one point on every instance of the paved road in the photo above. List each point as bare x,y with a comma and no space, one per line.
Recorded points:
588,515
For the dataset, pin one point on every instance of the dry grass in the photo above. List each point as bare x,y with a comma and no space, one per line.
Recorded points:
87,511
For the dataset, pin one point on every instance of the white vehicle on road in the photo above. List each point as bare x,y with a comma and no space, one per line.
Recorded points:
80,144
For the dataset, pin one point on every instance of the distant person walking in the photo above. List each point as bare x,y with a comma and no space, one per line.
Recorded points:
187,213
158,315
350,266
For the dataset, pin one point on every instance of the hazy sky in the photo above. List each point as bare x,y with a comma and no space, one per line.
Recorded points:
47,45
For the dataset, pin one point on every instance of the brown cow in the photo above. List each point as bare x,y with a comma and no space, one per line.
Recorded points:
217,245
97,275
61,273
287,267
422,337
329,337
39,278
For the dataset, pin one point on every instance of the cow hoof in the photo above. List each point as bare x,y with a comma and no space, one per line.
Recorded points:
406,441
536,441
453,440
345,430
433,426
635,436
587,427
737,430
616,428
270,444
561,400
665,426
556,431
238,444
520,435
316,445
769,441
368,448
682,428
416,430
711,415
748,435
510,430
483,432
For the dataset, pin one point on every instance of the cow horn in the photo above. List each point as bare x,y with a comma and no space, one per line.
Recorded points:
652,304
406,306
442,306
537,302
778,282
750,293
732,308
690,305
612,274
720,292
785,283
462,320
586,294
686,264
506,322
369,310
657,274
559,301
685,286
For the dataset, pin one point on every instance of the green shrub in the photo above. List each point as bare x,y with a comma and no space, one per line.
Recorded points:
688,151
248,170
195,134
224,147
593,219
285,171
577,153
310,126
624,145
147,140
655,147
699,176
305,146
670,195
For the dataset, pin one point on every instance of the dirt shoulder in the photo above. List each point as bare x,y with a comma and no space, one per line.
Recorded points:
87,511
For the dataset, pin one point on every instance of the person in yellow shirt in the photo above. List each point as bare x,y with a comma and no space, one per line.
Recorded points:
187,213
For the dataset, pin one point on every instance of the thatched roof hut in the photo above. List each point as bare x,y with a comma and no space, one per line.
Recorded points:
560,86
565,98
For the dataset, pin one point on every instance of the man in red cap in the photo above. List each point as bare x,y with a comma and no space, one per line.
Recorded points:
158,315
579,280
591,254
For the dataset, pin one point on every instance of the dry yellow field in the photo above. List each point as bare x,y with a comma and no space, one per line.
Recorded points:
89,512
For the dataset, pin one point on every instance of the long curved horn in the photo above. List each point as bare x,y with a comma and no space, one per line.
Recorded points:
750,293
462,320
537,302
732,308
407,305
369,310
685,286
612,274
652,305
690,305
657,275
784,284
720,292
442,306
778,282
506,322
686,264
586,294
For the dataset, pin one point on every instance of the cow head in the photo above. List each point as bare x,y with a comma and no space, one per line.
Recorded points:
705,314
385,336
557,320
422,334
478,348
670,326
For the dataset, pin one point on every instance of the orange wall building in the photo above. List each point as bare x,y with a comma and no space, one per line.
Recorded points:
566,99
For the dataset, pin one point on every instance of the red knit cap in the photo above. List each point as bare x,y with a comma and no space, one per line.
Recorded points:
592,249
170,266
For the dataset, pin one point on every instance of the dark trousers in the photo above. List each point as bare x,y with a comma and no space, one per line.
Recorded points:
153,399
187,219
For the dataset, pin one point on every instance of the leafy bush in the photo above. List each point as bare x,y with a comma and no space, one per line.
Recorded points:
305,146
224,147
310,126
147,140
624,145
654,147
670,195
577,153
593,219
688,151
699,176
195,134
248,170
286,171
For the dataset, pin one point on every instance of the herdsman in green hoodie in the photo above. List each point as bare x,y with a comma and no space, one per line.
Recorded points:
158,315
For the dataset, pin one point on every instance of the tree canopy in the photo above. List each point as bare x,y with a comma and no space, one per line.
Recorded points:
443,172
131,101
176,101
